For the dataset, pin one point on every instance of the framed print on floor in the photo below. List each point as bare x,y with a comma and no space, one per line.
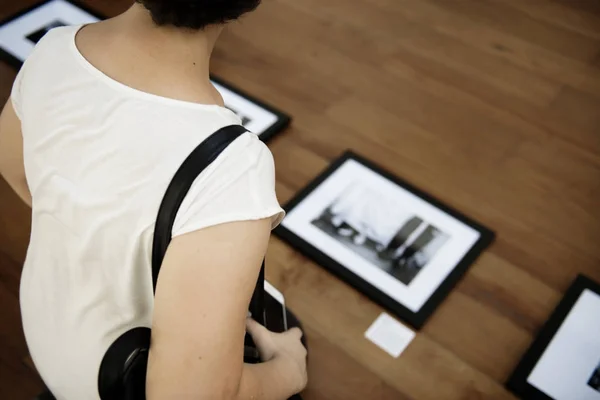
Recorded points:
391,241
20,33
563,362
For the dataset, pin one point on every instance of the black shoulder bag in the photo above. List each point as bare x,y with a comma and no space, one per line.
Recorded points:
122,374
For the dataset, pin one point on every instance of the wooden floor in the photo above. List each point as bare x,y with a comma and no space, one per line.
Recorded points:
491,105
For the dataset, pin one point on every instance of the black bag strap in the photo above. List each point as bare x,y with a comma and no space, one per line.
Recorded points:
200,158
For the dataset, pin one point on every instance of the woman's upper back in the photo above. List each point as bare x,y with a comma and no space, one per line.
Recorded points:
98,157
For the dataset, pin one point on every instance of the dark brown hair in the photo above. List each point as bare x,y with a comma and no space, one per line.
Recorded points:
197,14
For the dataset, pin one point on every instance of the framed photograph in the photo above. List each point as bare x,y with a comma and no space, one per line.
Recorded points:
20,33
388,239
563,362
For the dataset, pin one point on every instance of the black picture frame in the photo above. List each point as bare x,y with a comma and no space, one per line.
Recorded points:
517,382
415,319
13,61
283,120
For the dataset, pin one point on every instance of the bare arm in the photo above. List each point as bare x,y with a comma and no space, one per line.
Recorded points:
202,299
12,167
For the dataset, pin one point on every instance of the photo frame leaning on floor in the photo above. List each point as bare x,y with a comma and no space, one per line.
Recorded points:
21,32
563,361
393,242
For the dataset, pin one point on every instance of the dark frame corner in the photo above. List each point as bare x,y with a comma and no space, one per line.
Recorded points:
418,319
15,62
517,382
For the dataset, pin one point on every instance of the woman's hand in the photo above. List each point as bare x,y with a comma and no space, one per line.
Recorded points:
284,347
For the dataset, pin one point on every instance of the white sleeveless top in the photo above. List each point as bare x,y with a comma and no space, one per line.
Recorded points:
98,158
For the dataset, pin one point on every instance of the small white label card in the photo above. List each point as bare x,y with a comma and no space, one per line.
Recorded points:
390,335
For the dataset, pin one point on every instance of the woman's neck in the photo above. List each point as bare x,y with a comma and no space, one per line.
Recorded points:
175,46
167,61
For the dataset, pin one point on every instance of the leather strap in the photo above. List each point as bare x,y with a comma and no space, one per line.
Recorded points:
182,181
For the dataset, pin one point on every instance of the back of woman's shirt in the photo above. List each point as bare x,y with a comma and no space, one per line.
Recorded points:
98,158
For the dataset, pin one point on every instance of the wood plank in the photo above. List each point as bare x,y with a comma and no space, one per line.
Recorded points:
510,291
508,20
578,114
517,51
550,260
536,119
596,62
574,19
408,118
560,208
310,63
435,54
585,6
490,346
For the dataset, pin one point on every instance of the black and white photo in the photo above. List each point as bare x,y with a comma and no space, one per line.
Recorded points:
563,362
381,231
388,239
20,33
